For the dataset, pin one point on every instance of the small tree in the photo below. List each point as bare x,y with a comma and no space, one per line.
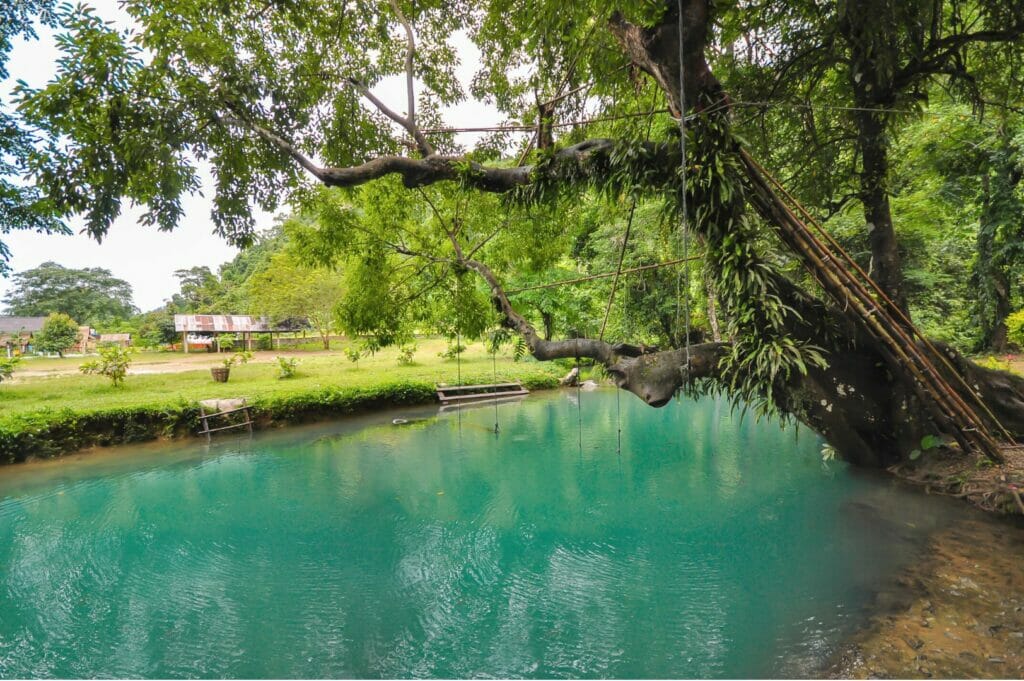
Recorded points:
113,363
354,355
405,353
7,367
287,288
287,367
59,333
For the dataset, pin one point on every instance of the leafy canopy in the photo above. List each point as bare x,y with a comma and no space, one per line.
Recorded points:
91,295
59,333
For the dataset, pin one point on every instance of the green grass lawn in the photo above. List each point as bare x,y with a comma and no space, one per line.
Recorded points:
254,381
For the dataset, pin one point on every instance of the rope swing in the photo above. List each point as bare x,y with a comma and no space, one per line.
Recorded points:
458,344
494,367
683,227
579,393
607,311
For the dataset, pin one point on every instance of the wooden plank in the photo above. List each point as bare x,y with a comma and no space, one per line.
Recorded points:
227,411
233,425
453,388
483,396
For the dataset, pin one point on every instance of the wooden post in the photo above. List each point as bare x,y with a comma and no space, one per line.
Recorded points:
184,341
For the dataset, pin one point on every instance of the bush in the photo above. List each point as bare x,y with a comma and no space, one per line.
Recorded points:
7,367
1015,328
237,358
112,363
59,333
993,362
287,367
405,353
353,355
53,432
452,351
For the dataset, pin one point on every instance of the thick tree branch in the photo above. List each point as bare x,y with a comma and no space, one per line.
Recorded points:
656,52
433,169
408,122
942,51
652,376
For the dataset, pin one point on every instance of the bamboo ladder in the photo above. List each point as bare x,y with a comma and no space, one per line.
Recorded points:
849,285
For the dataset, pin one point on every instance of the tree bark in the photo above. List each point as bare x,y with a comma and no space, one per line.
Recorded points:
886,267
864,402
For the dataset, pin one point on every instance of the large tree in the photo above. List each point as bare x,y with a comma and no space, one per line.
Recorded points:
286,289
22,205
277,96
91,295
59,334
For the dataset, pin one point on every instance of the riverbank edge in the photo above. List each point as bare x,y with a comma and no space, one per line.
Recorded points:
50,434
995,488
956,612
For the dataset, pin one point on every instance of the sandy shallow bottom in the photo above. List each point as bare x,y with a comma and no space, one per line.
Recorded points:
959,613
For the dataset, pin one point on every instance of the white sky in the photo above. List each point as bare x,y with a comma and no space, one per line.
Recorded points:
143,256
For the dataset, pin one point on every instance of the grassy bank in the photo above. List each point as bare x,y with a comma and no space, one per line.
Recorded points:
52,415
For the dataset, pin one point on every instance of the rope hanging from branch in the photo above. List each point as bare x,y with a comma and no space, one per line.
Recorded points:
618,269
683,227
494,368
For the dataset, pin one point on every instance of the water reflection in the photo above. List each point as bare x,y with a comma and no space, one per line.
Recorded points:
711,546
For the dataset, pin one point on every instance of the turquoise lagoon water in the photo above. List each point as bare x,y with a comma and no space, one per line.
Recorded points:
712,546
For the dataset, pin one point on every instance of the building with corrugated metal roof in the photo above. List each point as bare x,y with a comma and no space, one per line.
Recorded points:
204,330
16,333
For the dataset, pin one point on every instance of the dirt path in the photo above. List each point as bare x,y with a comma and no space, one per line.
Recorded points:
167,363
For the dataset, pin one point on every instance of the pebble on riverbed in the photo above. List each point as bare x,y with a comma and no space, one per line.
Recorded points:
967,619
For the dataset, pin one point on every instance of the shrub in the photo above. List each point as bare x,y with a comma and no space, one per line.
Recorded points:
993,362
287,367
353,356
112,363
405,353
7,367
237,358
1015,328
452,351
59,333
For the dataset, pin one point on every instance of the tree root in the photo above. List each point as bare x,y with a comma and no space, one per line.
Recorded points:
996,489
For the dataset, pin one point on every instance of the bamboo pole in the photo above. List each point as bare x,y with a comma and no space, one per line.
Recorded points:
938,397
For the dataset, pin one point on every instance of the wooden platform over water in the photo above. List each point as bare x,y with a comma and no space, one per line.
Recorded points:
454,394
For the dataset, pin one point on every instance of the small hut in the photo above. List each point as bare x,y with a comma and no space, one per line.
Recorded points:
86,342
16,333
122,339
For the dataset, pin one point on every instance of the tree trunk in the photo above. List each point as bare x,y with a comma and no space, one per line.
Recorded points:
866,401
886,266
548,321
716,334
998,338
